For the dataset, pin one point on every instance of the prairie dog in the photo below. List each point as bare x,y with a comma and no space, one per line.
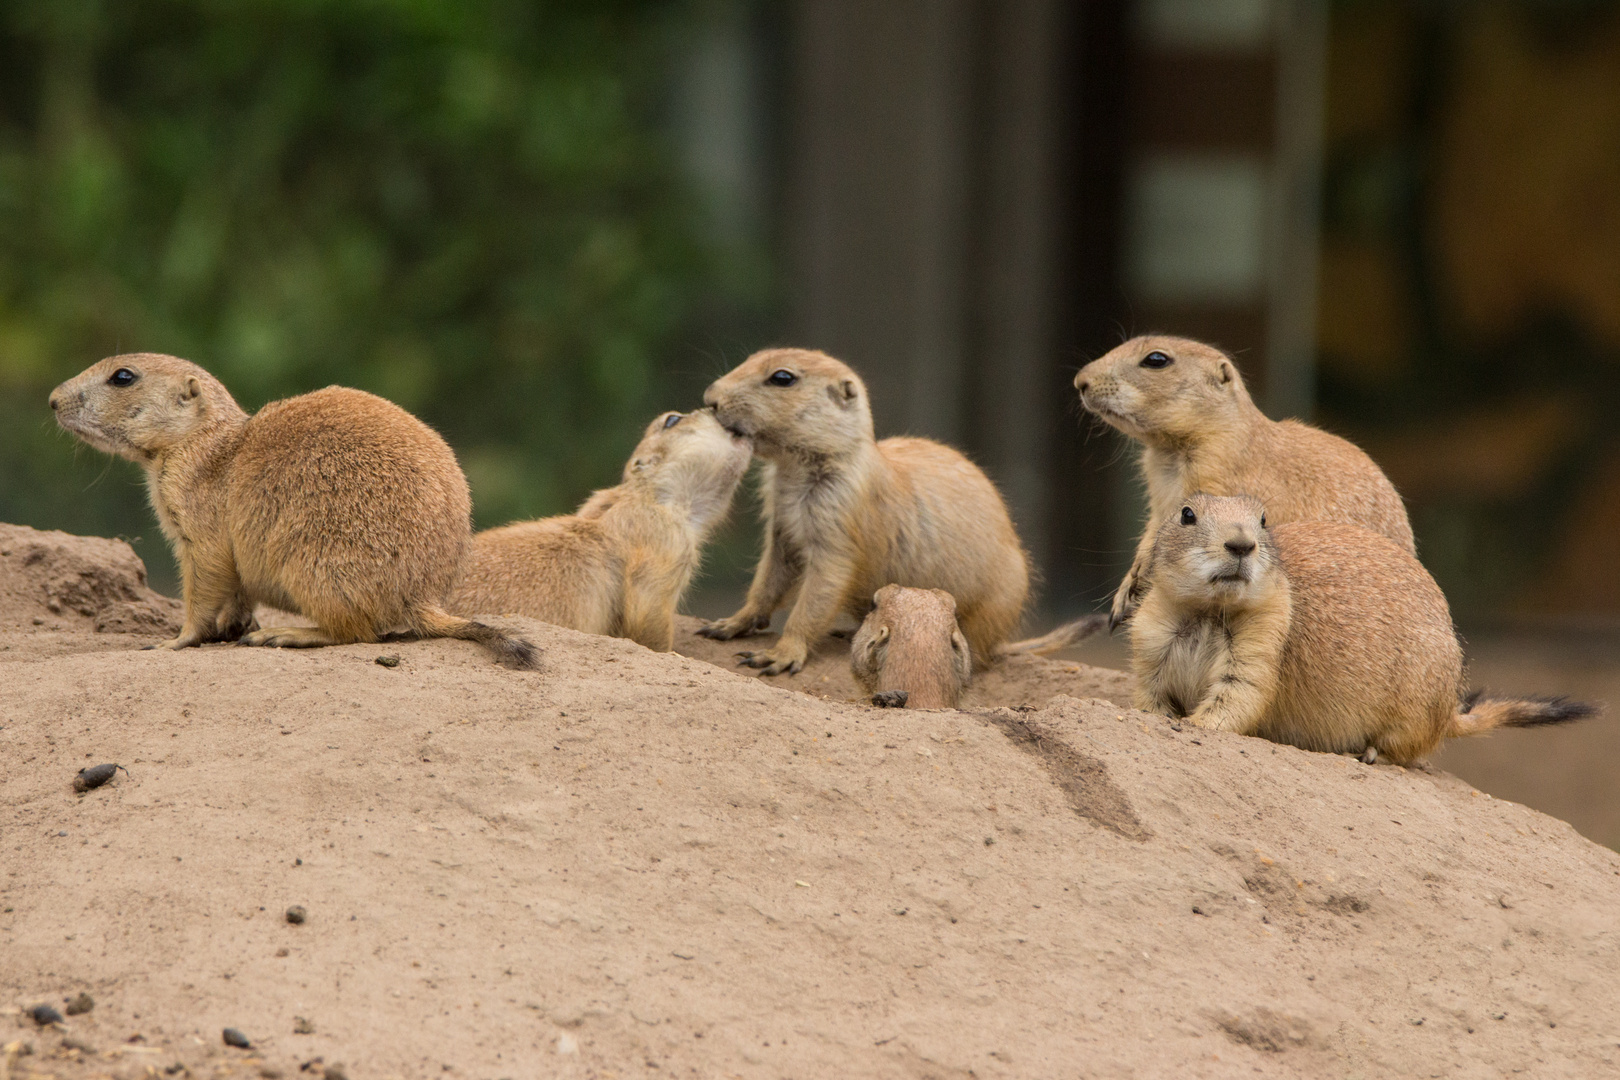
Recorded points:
1319,634
846,514
622,563
909,642
336,504
1185,402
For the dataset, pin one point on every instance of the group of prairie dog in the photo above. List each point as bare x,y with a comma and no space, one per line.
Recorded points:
342,507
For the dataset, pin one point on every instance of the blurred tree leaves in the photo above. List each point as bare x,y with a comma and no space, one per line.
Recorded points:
463,205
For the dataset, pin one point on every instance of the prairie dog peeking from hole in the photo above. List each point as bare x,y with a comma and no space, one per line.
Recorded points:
1185,402
1318,634
909,643
336,504
620,565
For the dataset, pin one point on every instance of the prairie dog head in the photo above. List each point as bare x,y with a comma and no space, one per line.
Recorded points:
793,402
910,642
691,464
1163,390
1215,553
140,404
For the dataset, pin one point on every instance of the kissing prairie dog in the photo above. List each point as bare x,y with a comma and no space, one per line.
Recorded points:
1200,431
846,515
909,643
335,504
1318,634
621,565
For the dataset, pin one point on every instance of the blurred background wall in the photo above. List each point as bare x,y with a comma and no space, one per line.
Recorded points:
536,224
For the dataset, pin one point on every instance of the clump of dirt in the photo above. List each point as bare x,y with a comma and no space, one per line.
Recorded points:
63,581
634,863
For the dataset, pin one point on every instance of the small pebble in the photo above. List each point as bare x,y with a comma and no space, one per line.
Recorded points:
335,1072
296,914
281,952
303,1026
235,1038
81,1004
70,1043
388,661
92,778
270,1072
45,1014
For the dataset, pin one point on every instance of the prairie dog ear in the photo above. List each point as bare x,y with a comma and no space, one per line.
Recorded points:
843,392
880,638
191,390
961,657
1226,373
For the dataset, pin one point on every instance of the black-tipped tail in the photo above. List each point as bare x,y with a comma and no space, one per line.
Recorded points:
1481,712
1068,634
508,649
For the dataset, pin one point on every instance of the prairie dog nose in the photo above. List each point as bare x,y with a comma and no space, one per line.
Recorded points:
56,403
1081,383
709,399
1240,546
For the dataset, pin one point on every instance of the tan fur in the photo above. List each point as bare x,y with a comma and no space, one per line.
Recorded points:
622,563
910,642
336,504
846,514
1318,634
1200,431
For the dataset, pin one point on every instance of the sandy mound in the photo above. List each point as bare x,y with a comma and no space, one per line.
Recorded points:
631,864
1017,680
64,582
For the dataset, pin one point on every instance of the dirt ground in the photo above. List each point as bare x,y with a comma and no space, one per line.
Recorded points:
630,864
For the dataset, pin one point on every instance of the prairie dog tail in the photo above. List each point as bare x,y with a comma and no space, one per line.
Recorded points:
509,649
1480,713
1061,638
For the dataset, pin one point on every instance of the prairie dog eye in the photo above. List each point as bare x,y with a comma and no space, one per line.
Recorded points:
1157,359
782,377
1262,521
671,420
1188,517
122,377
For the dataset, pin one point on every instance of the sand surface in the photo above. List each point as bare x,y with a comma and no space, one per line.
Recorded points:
639,865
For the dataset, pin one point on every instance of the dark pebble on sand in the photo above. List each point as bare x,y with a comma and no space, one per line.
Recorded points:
388,661
303,1026
92,778
891,699
45,1014
296,914
235,1038
81,1004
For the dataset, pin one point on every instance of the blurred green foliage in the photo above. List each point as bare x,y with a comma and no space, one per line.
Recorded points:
463,205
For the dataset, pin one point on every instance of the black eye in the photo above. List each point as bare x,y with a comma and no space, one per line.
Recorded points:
782,377
122,377
1156,359
1262,521
1188,517
671,420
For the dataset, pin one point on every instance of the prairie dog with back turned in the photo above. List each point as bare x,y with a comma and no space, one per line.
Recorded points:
1318,634
620,565
846,515
336,504
1185,402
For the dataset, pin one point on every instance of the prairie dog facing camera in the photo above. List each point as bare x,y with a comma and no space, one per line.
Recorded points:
909,643
620,565
336,504
845,514
1318,634
1185,402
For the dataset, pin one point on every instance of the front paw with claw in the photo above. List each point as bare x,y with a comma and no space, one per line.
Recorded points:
736,626
782,660
1124,604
